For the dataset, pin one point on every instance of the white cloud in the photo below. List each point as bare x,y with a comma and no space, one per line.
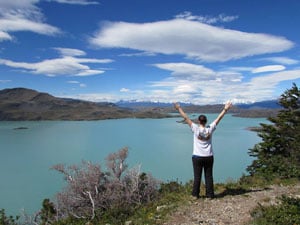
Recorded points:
138,54
4,36
82,85
223,85
124,90
22,15
240,68
14,24
190,38
269,68
76,2
4,81
209,93
226,85
263,87
188,71
66,65
229,77
70,52
275,78
192,72
184,88
95,97
282,60
9,5
73,82
206,19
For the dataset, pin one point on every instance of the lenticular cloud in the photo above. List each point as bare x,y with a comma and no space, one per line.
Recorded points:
190,38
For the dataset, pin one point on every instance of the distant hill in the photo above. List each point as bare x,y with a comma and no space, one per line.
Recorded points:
270,104
144,104
26,104
262,109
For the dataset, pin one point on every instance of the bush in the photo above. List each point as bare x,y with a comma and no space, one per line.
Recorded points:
171,187
287,213
93,194
7,220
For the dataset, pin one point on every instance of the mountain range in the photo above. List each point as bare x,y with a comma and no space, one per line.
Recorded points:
19,104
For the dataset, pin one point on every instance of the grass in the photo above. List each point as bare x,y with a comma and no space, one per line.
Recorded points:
174,194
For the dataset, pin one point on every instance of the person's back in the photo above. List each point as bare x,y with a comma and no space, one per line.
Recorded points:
202,145
203,157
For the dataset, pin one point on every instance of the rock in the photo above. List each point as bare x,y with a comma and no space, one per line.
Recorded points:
161,207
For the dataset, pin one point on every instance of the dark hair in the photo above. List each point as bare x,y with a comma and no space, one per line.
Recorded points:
202,119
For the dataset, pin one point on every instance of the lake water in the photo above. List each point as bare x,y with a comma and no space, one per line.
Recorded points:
162,147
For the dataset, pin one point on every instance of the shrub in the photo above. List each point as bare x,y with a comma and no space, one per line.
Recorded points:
7,220
92,193
287,213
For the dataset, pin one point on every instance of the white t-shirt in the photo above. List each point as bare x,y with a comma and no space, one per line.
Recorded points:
203,139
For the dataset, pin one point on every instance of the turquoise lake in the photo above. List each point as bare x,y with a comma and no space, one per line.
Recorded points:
162,147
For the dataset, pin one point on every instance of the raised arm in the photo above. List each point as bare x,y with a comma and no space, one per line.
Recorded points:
227,106
182,113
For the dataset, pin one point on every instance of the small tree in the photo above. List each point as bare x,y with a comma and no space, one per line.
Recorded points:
115,162
278,155
90,191
82,195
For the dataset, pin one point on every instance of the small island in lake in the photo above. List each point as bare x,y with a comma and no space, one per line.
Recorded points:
20,128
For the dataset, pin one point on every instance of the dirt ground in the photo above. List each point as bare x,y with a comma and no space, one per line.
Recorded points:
231,208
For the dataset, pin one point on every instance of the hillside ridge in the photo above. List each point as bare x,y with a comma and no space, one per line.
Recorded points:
18,104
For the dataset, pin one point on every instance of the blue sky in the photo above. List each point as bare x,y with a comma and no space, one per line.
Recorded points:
199,51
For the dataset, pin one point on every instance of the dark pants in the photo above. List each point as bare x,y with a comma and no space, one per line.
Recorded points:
198,164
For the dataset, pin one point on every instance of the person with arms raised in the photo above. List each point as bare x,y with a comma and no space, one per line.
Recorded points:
203,157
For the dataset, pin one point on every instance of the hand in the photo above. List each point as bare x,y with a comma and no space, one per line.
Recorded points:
176,105
228,105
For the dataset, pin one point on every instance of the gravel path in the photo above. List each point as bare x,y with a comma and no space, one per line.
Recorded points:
229,209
